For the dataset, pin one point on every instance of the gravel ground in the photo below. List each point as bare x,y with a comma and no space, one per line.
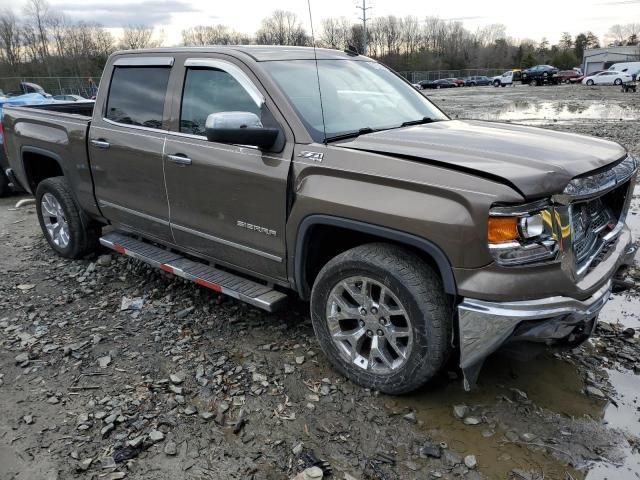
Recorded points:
110,369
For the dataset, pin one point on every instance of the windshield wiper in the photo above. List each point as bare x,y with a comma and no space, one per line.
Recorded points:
355,134
421,121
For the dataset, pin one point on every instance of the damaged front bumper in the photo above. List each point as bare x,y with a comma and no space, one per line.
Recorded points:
486,326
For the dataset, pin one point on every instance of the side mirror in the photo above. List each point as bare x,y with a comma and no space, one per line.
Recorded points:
240,128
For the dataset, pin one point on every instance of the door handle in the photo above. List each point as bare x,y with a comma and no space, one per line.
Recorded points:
100,143
179,159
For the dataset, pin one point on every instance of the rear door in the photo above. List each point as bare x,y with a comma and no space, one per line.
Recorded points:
228,202
126,146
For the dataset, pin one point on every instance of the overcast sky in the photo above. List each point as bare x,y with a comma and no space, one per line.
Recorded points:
542,18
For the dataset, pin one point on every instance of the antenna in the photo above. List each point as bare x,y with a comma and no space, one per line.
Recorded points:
364,9
315,56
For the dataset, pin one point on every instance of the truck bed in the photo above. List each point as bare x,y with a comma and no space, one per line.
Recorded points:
36,135
84,109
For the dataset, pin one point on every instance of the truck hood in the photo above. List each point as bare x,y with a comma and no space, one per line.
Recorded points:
534,161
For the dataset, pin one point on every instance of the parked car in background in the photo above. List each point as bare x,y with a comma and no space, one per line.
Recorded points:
569,76
632,68
458,81
442,83
477,80
503,80
540,74
7,184
608,78
71,98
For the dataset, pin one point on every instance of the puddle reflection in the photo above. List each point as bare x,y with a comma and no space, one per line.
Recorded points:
540,112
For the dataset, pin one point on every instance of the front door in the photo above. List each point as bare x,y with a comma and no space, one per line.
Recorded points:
126,147
227,202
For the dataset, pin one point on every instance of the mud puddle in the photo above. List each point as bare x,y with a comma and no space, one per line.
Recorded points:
623,416
534,113
549,382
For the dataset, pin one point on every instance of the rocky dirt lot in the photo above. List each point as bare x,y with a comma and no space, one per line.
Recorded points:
110,369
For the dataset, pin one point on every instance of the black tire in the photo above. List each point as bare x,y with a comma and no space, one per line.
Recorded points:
83,235
590,82
417,287
503,84
4,185
617,81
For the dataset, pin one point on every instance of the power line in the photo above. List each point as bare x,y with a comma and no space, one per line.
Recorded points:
364,9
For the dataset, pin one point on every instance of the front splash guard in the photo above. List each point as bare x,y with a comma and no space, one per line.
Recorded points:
485,326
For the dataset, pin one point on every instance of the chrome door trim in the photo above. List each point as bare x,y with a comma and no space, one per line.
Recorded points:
126,125
104,203
140,61
228,243
232,70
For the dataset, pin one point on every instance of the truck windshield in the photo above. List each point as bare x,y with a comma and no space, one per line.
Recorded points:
357,97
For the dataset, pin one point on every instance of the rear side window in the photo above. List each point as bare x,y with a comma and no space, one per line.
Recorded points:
136,95
208,91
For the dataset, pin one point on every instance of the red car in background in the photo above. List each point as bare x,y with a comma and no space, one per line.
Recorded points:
569,76
458,81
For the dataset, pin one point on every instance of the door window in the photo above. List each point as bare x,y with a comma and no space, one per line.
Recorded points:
137,94
211,90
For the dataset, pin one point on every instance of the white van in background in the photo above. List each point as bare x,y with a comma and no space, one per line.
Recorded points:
632,68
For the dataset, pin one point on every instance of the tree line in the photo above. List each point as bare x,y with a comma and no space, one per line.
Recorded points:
39,41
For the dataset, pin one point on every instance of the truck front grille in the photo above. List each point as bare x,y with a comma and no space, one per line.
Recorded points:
591,222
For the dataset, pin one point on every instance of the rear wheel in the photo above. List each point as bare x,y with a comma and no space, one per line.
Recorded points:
382,318
617,81
66,228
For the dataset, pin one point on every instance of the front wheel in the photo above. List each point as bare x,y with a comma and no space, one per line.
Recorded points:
617,81
590,82
66,228
382,318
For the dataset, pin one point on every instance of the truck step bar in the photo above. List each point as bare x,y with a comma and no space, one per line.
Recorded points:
217,280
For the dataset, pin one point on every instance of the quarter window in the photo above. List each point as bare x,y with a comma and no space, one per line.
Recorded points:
137,94
211,90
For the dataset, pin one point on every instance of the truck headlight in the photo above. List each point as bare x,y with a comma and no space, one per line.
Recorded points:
522,234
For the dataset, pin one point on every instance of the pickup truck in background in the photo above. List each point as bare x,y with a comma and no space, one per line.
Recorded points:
412,235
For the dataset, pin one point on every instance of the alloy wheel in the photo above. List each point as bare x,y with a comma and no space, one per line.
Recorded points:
369,325
55,220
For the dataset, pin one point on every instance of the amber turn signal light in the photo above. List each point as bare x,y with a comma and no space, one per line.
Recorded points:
502,229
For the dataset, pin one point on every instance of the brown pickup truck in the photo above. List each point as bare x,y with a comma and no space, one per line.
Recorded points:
265,172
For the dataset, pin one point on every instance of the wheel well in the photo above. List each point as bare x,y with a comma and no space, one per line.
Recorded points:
321,242
38,167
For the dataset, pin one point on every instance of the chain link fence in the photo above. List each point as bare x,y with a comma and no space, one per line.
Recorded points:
415,77
83,86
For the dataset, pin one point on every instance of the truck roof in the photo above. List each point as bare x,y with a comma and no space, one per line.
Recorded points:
260,53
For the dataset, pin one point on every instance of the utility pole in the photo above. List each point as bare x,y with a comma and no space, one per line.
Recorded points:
364,9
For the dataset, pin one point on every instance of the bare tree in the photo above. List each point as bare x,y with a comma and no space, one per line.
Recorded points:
282,28
37,13
138,36
617,34
10,38
213,35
